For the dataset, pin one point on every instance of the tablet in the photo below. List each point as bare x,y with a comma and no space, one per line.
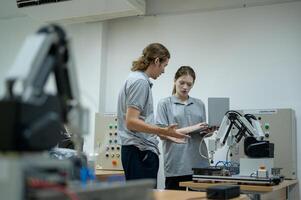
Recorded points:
217,108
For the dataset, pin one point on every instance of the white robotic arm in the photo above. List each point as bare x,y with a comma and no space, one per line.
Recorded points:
247,126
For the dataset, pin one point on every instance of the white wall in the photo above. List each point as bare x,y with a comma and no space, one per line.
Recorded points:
12,35
251,55
86,42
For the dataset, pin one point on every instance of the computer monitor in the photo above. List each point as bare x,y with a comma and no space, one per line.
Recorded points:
217,107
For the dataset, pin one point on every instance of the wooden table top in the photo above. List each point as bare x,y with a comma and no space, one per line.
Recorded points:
108,172
185,195
243,187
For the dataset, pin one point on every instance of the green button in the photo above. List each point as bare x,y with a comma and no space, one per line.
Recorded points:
110,126
266,126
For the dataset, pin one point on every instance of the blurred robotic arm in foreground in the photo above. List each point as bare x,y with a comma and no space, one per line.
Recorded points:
31,119
248,128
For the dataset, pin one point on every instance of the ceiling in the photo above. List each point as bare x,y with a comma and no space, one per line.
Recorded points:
9,10
154,7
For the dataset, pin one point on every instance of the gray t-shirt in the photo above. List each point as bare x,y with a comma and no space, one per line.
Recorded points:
179,159
137,93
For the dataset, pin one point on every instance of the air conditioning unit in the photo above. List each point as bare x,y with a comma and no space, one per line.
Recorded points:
26,3
76,11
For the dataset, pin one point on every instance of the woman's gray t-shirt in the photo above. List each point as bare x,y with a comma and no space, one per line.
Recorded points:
179,159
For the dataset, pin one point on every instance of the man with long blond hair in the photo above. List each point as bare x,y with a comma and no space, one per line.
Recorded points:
136,124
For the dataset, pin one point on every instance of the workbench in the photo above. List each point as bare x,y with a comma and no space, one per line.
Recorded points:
279,192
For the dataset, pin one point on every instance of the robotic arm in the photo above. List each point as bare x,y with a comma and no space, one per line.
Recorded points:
248,127
31,118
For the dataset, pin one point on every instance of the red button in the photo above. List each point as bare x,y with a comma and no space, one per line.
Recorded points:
114,162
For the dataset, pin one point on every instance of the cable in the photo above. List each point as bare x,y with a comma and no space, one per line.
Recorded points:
234,164
220,162
227,155
200,146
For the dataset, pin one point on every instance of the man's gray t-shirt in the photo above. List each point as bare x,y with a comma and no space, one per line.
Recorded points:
179,159
137,93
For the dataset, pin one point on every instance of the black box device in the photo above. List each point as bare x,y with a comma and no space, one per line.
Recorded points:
223,192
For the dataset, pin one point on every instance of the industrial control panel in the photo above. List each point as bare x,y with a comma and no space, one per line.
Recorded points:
106,142
279,127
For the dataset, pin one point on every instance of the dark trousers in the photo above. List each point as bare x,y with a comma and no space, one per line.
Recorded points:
172,183
139,164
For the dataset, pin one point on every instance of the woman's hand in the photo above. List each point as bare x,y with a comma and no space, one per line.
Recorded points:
202,126
208,132
171,131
